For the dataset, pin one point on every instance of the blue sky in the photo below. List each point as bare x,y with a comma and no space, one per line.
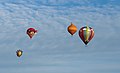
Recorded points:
52,49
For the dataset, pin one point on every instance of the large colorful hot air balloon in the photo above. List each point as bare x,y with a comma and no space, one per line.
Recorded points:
72,29
31,32
86,34
19,53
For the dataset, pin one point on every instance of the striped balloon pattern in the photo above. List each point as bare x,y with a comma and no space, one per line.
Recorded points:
86,34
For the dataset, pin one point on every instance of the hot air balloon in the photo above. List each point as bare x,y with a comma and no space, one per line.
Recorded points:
31,32
86,34
19,53
72,29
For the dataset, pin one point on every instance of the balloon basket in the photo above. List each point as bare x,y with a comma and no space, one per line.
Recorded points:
86,45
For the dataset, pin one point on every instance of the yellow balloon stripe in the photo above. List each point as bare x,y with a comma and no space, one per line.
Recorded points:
87,33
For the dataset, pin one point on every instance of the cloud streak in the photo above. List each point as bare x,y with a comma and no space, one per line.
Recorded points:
52,49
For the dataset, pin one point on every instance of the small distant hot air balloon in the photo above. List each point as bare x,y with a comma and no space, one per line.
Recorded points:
19,53
72,29
31,32
86,34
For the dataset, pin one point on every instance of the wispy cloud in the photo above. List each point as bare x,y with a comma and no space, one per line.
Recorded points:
52,49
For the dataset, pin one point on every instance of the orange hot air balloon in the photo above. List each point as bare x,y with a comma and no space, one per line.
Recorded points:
31,32
19,53
72,29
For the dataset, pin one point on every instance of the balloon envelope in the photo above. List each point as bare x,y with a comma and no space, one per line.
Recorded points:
72,29
86,34
31,32
19,53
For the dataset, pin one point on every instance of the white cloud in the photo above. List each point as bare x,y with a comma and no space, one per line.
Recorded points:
52,46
